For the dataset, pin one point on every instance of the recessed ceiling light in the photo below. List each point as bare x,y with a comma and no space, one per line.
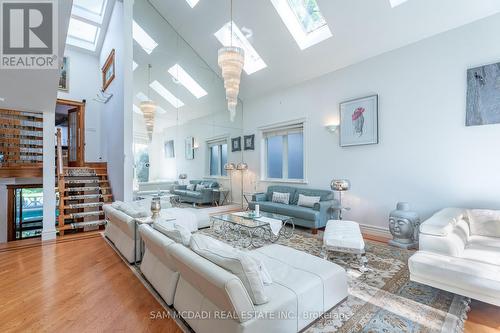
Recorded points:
180,75
192,3
165,93
134,65
304,21
395,3
147,43
253,61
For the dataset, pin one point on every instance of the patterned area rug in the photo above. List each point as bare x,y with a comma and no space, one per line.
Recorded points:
383,299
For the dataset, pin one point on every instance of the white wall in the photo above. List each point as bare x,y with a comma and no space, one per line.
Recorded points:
116,137
84,83
426,155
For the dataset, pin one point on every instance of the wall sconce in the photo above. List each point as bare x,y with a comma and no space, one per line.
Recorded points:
332,128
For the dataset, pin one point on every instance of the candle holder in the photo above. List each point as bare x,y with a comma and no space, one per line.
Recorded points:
155,208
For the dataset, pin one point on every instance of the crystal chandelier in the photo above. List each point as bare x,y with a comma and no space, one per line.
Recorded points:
231,60
148,109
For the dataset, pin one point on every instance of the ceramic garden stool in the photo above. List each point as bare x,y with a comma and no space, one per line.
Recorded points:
344,236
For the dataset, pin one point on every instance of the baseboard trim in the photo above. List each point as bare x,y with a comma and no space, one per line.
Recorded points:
375,231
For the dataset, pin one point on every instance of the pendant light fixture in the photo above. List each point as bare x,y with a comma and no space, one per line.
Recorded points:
148,109
231,60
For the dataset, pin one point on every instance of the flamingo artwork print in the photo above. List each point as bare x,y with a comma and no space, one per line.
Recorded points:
359,121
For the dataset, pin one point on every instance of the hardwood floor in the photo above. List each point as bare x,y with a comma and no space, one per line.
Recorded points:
79,284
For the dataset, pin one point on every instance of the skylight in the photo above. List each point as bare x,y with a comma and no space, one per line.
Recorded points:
134,65
180,75
92,10
82,30
253,62
137,109
86,23
165,93
192,3
395,3
304,21
147,43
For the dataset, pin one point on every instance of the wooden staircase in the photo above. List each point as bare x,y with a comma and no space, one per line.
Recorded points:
82,193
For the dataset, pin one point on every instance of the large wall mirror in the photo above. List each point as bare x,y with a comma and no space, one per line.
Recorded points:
191,136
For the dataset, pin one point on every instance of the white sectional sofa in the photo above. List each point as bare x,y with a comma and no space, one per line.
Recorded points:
304,287
121,222
460,252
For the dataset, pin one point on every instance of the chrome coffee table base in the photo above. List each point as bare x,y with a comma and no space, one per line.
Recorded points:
245,237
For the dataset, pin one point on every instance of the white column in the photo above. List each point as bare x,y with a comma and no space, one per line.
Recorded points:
49,177
128,87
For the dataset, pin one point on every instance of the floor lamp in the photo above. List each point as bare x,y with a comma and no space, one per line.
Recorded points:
242,167
229,167
340,185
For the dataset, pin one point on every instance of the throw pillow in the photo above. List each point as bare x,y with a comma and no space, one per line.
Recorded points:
200,187
191,187
306,201
174,231
283,198
484,222
263,272
233,260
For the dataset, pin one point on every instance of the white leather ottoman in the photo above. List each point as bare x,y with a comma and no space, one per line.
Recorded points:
344,236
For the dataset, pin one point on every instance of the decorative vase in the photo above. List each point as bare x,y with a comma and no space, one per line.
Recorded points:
155,208
404,227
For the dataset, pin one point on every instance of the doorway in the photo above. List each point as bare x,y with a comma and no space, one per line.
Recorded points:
70,118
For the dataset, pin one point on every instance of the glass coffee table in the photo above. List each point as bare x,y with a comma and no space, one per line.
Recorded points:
243,230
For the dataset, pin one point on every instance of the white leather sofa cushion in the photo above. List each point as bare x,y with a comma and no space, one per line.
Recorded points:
318,284
462,276
120,231
443,222
223,288
157,265
236,261
188,217
483,249
484,222
173,230
132,209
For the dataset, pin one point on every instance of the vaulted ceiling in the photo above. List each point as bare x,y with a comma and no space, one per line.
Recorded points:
361,29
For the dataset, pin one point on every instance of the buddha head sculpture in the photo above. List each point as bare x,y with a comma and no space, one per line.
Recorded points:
403,225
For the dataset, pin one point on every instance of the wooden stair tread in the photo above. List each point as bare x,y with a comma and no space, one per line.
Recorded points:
77,225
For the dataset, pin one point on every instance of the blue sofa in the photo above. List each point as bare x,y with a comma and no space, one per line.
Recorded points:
313,218
203,196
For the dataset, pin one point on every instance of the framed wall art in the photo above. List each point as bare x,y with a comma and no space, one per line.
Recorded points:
108,71
359,121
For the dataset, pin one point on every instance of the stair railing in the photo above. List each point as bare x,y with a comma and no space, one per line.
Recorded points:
60,180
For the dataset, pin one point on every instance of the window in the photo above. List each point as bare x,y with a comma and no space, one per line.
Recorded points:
147,43
141,159
284,153
166,94
86,23
192,3
181,76
253,61
304,20
217,157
